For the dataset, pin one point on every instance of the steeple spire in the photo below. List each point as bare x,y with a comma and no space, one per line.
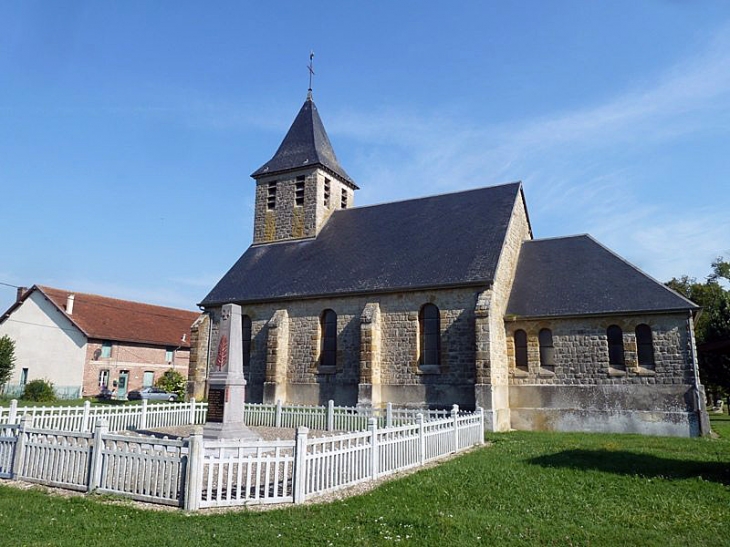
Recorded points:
305,145
311,73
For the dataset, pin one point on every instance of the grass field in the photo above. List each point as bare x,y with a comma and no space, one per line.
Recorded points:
524,489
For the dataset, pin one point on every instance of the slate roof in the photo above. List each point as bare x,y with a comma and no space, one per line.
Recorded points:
579,276
306,144
447,240
105,318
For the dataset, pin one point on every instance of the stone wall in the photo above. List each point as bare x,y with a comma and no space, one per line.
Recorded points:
290,221
491,364
583,392
395,352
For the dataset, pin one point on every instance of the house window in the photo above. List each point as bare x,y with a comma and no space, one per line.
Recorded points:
429,326
106,349
547,350
104,377
23,376
271,196
326,192
328,350
615,346
169,354
299,192
148,379
644,346
343,200
520,339
246,329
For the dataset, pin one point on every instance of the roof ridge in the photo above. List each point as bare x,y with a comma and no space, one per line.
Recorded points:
127,301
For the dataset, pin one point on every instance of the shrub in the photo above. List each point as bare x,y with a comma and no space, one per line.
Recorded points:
7,359
174,382
39,390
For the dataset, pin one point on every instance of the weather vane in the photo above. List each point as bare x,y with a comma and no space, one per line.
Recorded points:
311,72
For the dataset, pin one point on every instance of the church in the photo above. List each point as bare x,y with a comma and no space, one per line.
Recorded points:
445,300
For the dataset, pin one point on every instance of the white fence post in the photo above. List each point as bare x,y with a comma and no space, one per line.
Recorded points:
143,416
191,418
389,415
101,428
374,452
455,419
300,464
330,415
13,411
277,418
26,422
421,439
480,410
85,417
194,472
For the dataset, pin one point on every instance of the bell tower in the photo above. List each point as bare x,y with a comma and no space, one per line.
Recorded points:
302,184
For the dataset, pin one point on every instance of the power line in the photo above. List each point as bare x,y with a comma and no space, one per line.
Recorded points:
9,285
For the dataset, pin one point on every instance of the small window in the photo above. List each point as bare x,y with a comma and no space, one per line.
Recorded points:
328,350
615,346
644,346
299,192
326,192
429,326
246,329
148,379
547,350
106,349
271,196
23,376
520,339
169,354
104,378
343,203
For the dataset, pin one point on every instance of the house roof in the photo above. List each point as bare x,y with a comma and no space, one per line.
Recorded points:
447,240
105,318
579,276
306,144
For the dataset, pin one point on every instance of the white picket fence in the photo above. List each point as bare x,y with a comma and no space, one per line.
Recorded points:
195,473
237,473
119,418
158,415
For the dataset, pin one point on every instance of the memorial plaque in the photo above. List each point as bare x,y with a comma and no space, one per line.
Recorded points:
216,402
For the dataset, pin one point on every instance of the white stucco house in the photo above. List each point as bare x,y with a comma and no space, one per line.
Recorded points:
84,342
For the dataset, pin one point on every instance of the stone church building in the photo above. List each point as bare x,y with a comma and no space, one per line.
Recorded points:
446,299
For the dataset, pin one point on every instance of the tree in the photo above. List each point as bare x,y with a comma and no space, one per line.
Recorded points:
174,382
712,328
7,359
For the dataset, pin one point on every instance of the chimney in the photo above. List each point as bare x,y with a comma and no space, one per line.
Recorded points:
20,293
70,304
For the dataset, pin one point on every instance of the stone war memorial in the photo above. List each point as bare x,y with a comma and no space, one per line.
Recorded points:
435,301
227,385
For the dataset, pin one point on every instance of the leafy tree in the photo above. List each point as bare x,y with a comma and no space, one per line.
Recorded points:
174,382
39,390
7,359
713,325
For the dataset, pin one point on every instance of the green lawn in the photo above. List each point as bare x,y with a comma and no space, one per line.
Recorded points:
525,489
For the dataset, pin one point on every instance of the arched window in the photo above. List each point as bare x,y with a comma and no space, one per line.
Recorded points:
520,338
429,326
246,329
615,346
547,351
644,346
328,348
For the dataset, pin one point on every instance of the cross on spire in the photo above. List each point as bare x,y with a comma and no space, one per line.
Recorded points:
311,73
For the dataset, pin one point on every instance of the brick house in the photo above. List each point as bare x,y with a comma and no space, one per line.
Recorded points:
83,342
446,299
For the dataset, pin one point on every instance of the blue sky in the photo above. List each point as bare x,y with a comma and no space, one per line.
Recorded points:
128,130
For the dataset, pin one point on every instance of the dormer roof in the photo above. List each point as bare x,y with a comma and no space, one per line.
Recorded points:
306,144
